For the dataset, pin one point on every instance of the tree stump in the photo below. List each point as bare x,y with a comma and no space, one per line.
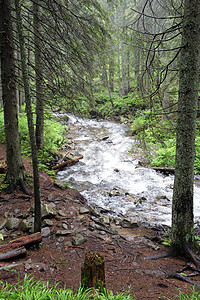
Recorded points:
93,272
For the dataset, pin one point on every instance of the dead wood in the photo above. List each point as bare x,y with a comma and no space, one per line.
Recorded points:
184,278
27,241
67,163
13,253
164,170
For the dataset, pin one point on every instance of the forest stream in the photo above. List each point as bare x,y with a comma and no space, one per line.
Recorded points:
109,177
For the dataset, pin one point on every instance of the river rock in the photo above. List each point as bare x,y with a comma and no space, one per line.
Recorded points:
45,231
64,232
26,225
47,211
47,222
65,226
61,184
78,240
106,220
161,196
2,223
3,233
12,223
94,212
83,210
61,239
130,222
61,213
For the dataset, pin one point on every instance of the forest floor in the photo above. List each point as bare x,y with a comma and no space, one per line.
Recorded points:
59,261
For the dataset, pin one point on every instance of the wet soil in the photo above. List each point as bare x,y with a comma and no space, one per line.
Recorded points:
58,261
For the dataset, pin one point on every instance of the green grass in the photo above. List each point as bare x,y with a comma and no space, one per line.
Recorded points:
37,290
188,295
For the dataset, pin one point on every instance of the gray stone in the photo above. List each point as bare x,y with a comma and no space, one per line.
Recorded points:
118,220
57,218
26,225
68,244
130,222
47,211
64,232
61,213
61,184
2,223
3,233
83,210
47,222
106,220
65,226
16,211
45,231
61,239
94,212
78,240
161,196
12,223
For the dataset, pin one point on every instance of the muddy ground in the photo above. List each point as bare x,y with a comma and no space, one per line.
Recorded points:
59,261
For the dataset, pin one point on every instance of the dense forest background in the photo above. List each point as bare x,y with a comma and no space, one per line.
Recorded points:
137,60
103,59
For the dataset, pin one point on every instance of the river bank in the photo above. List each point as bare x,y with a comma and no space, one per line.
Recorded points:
60,260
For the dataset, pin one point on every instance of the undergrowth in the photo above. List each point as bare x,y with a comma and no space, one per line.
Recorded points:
38,290
54,138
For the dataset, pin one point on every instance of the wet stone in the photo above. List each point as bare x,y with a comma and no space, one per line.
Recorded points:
64,232
83,210
26,225
65,226
45,231
78,240
3,232
12,223
2,223
94,212
61,213
47,211
61,239
47,222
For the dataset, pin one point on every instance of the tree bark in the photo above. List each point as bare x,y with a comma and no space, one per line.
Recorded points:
12,253
15,168
22,241
37,220
93,272
182,208
38,77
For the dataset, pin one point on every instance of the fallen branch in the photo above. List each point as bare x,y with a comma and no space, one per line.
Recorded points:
164,170
28,240
12,253
67,163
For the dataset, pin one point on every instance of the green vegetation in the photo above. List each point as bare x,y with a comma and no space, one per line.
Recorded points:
188,295
54,138
32,290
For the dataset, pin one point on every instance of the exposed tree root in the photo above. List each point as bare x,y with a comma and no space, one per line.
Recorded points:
184,278
24,187
189,254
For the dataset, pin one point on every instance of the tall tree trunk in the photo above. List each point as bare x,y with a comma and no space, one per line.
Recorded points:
182,208
124,81
15,168
38,77
37,221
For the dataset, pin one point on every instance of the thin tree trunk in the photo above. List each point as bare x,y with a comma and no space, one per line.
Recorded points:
15,168
37,221
182,208
38,77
